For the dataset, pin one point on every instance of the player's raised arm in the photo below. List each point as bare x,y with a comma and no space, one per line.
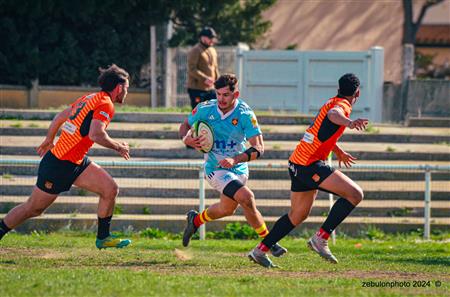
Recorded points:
97,133
337,116
56,123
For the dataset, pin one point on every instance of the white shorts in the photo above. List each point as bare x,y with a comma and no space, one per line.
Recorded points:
219,179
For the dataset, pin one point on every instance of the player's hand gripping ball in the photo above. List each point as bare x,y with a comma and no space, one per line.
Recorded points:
202,128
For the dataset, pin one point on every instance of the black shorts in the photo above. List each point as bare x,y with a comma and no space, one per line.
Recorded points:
308,178
56,176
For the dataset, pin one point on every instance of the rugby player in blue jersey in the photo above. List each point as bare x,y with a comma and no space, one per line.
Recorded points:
234,124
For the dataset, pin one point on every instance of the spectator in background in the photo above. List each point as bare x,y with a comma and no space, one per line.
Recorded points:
203,68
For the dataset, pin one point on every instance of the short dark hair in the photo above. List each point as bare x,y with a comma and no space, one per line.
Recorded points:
227,79
110,77
348,84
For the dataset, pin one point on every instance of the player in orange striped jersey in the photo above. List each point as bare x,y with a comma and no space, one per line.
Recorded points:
66,163
309,173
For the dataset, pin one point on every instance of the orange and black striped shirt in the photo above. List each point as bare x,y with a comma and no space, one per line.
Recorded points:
74,142
321,137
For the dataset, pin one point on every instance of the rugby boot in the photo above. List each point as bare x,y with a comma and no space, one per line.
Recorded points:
190,228
320,246
261,258
112,241
277,250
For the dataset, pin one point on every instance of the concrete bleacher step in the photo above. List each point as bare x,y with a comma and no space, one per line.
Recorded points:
183,153
271,136
268,207
269,162
393,198
263,189
155,117
269,173
171,148
428,122
376,133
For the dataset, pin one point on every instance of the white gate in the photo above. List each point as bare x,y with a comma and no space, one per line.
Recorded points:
303,81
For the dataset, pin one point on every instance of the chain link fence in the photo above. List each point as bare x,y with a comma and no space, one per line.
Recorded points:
397,197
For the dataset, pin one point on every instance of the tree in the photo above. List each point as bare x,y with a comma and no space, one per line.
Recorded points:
234,20
64,42
410,29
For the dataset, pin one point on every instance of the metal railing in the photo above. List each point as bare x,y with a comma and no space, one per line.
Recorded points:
273,171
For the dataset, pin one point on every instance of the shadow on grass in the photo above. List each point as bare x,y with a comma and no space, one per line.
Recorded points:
425,261
142,263
167,263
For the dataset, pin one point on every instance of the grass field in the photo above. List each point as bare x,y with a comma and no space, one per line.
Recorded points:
68,264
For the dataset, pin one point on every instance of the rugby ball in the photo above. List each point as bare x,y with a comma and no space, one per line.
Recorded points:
202,128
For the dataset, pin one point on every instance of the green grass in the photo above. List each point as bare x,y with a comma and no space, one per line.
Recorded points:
390,149
16,125
7,176
276,147
371,129
67,264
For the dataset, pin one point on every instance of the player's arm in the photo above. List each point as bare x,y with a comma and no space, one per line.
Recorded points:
97,133
56,123
255,151
187,138
336,115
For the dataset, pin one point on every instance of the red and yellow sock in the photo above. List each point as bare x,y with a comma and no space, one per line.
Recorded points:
262,231
202,218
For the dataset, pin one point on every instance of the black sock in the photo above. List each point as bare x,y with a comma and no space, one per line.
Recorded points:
281,228
3,229
340,210
103,227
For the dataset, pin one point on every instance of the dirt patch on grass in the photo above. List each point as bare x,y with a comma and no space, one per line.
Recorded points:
32,252
181,264
189,269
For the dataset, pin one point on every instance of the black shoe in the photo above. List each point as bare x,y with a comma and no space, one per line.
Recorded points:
190,227
259,257
277,250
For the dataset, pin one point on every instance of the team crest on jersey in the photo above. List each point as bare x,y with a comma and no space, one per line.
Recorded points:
194,111
48,185
254,122
234,121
